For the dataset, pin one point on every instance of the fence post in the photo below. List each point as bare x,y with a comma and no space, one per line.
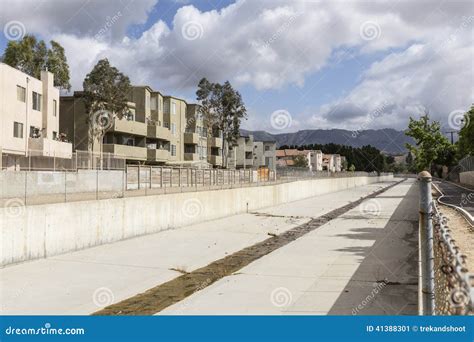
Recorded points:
161,177
426,246
150,176
138,178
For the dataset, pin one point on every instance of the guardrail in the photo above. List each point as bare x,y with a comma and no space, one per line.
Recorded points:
446,286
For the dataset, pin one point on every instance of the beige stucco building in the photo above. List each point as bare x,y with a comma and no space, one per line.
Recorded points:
157,129
29,117
250,154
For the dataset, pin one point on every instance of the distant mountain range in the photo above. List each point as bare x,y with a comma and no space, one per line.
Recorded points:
386,140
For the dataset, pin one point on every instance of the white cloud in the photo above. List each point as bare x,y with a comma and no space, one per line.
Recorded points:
427,60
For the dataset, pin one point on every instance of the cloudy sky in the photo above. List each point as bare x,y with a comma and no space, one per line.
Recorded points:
298,64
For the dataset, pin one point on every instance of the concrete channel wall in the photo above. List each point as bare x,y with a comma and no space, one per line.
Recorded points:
467,177
39,231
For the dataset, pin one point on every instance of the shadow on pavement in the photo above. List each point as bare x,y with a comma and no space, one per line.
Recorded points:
386,282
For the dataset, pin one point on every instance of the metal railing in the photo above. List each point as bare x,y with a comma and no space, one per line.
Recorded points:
446,286
35,160
466,164
294,173
20,188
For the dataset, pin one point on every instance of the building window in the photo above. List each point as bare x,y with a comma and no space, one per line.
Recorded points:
267,148
36,101
20,93
154,104
173,129
55,135
173,150
55,108
147,101
173,108
18,130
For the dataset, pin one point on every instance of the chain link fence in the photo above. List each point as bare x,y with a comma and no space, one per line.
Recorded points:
453,284
19,188
466,164
35,160
296,173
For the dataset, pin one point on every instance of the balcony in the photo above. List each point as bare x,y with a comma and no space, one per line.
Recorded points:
158,132
158,155
191,157
129,126
49,148
126,151
191,138
215,141
215,160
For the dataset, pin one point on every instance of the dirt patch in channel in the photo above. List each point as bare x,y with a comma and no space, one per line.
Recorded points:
462,232
160,297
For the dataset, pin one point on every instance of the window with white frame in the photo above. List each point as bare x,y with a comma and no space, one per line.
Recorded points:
55,108
154,103
18,130
173,108
173,128
36,101
20,93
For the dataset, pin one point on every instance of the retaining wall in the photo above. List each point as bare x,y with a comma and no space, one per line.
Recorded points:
40,231
467,177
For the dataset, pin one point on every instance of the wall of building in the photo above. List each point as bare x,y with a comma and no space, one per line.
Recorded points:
13,110
467,177
40,231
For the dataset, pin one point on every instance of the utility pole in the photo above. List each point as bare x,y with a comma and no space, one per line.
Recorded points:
452,135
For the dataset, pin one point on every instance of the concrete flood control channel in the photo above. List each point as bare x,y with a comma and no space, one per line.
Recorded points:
162,296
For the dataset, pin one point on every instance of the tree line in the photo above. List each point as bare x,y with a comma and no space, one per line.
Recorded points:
432,149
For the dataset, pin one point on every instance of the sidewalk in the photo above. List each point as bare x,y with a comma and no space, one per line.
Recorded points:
85,281
363,262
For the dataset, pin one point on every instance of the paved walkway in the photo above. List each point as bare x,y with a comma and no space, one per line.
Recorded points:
85,281
363,262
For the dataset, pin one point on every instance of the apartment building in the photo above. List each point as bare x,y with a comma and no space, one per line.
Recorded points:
195,137
157,129
248,153
29,117
315,160
265,154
